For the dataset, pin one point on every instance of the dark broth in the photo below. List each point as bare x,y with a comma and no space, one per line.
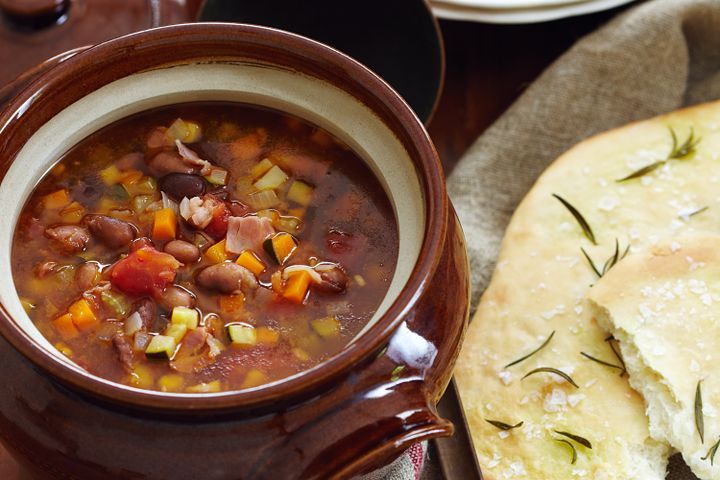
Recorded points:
86,280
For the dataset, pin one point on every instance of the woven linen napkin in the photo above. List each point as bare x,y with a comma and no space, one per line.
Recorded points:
659,56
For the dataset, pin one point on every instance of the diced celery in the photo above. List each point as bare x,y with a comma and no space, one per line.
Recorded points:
217,176
263,199
300,192
272,179
261,168
66,274
140,202
117,192
242,334
144,186
326,327
161,346
185,316
186,132
176,331
210,387
115,302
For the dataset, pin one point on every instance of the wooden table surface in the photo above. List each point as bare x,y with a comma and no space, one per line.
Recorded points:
488,67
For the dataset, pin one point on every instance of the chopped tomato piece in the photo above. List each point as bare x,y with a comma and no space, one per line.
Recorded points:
145,271
218,226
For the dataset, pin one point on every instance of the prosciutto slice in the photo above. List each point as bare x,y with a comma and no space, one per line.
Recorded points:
192,158
247,233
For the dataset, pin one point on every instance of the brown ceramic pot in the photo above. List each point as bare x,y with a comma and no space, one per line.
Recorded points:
349,415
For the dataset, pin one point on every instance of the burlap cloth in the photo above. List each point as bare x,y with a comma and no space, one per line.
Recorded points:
658,56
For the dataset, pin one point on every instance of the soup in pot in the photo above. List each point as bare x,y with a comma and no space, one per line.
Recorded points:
205,247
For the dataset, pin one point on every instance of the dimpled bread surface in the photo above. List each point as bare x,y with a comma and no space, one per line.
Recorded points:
539,287
663,306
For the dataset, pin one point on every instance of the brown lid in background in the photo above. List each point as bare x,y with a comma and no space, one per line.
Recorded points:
32,31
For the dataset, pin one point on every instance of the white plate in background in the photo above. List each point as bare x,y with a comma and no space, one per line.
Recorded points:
464,10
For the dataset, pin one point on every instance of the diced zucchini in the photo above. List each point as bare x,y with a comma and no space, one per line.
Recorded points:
210,387
280,247
176,331
300,192
272,179
326,327
242,334
185,316
161,346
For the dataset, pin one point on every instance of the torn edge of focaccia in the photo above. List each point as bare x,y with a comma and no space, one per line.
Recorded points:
663,305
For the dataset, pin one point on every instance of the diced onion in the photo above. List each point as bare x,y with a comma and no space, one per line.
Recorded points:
325,266
170,203
133,324
141,341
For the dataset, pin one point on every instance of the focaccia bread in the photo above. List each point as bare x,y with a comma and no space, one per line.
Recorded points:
664,308
541,279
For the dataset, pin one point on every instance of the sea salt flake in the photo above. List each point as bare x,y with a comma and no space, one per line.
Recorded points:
505,377
503,434
608,203
555,401
575,398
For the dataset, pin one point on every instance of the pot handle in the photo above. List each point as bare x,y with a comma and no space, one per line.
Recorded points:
372,429
26,78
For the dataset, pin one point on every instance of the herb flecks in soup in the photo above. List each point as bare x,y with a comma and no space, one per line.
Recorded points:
204,247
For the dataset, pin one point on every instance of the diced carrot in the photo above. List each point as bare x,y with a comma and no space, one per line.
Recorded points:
65,327
249,260
73,213
283,245
276,280
267,335
164,224
217,253
57,200
247,147
297,286
131,177
232,303
297,212
83,316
